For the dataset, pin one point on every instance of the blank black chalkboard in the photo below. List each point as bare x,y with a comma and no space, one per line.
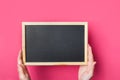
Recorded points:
54,43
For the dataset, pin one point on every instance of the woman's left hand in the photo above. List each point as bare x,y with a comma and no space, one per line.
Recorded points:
22,69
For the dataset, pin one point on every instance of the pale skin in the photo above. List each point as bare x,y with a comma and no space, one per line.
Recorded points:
84,73
22,69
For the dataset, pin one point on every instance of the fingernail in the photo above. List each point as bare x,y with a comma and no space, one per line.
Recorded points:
94,63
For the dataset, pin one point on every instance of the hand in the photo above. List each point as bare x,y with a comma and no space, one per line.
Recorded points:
86,71
22,70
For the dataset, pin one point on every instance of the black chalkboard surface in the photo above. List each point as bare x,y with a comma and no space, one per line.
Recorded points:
54,43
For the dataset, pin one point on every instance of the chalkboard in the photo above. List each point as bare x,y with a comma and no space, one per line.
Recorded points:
54,43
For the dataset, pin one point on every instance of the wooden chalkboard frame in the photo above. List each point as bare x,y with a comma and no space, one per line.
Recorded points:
55,23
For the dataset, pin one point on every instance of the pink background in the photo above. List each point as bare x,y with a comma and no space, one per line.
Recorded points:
104,30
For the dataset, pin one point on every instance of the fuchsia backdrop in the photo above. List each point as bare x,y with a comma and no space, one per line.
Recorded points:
103,17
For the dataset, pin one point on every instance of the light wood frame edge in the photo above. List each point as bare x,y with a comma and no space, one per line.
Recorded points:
55,23
23,44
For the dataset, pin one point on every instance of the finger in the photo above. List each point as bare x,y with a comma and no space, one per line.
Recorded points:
90,54
94,62
20,58
82,69
23,72
24,68
23,75
91,65
90,72
91,69
20,70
